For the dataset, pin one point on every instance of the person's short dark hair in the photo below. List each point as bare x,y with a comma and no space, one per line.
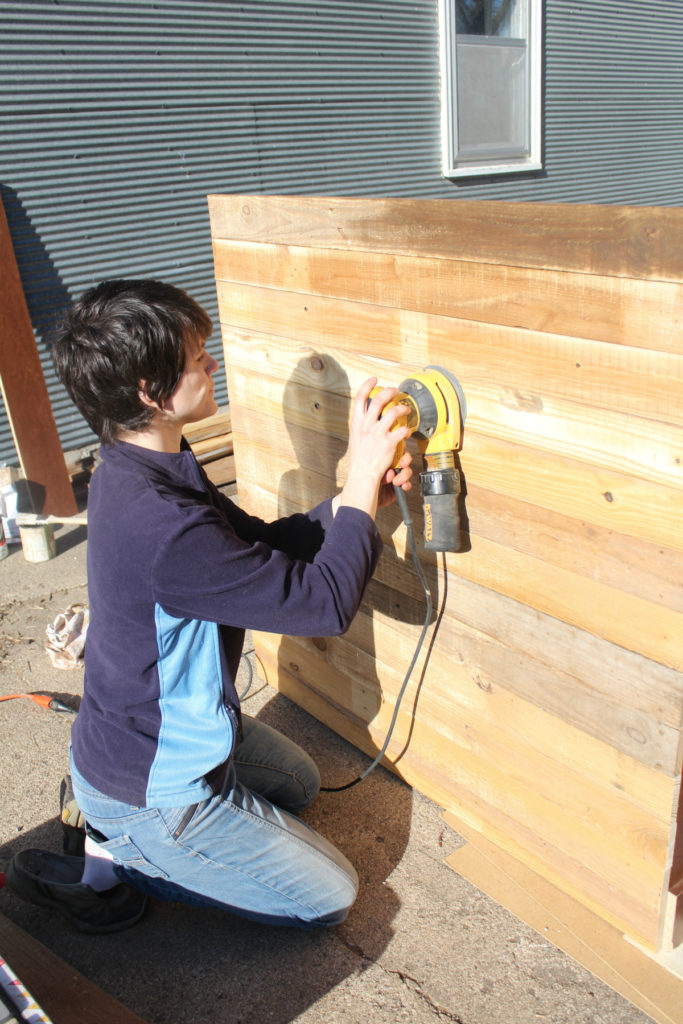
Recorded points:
117,335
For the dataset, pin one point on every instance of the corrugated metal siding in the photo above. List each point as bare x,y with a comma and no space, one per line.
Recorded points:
614,97
119,117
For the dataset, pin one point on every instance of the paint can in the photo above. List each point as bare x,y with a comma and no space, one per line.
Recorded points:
37,543
4,549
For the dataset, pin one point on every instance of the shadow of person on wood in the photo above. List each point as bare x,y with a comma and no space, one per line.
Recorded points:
338,679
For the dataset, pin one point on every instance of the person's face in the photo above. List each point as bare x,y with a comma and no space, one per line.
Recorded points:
193,398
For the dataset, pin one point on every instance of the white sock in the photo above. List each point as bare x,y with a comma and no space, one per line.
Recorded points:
98,872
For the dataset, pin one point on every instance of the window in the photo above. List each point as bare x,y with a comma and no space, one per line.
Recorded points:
490,86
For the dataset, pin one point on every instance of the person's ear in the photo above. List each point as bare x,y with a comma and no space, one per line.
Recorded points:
144,397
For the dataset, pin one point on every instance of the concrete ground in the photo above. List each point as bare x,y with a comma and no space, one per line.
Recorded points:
421,945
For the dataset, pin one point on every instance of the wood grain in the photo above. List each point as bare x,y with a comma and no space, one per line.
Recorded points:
617,241
309,467
548,710
62,991
620,310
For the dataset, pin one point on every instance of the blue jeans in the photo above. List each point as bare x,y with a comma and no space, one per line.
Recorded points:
242,849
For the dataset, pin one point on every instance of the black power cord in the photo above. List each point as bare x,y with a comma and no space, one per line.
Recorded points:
408,520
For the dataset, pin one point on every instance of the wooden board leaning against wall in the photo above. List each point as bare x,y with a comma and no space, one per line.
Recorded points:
549,714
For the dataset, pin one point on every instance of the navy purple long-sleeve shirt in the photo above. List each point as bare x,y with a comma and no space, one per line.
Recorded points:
176,573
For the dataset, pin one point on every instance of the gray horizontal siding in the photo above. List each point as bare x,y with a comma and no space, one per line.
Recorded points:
119,117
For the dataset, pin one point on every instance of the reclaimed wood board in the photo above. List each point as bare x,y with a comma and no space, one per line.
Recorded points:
64,994
24,393
211,442
546,712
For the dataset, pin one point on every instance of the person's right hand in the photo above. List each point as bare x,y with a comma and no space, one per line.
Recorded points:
372,442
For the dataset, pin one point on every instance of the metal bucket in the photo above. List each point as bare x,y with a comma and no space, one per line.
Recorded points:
37,543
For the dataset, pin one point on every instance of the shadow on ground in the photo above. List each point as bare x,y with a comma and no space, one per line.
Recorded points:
187,964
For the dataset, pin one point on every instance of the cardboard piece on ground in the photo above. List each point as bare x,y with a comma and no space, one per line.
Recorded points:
587,938
65,994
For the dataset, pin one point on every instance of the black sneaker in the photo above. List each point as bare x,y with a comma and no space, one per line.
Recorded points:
54,880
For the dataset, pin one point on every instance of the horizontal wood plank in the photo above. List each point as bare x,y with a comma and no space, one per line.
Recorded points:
212,447
221,471
62,991
618,241
210,426
591,373
619,310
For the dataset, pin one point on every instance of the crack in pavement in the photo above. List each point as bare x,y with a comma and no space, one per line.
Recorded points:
416,986
410,983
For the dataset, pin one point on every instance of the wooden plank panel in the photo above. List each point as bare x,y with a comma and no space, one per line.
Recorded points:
608,404
462,681
617,377
353,701
632,726
599,553
607,498
622,311
471,776
619,697
617,501
618,241
309,466
626,845
588,604
573,662
463,704
612,439
551,709
635,567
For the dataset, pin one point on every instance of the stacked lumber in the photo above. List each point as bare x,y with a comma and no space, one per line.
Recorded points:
548,714
211,442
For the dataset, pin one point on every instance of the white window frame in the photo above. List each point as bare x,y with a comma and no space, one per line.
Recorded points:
452,167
